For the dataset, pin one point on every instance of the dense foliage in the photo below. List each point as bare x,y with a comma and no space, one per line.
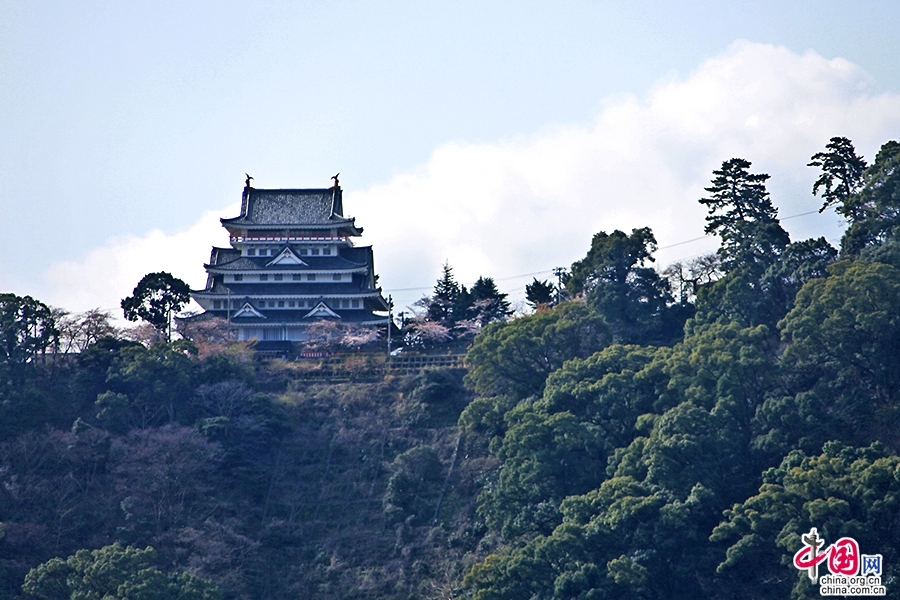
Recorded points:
658,435
454,313
662,466
155,299
258,480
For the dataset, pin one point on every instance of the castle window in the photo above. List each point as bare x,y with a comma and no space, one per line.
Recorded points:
238,277
262,303
315,251
345,304
263,277
291,303
251,252
303,251
217,304
355,304
336,277
297,277
281,304
326,251
311,277
279,277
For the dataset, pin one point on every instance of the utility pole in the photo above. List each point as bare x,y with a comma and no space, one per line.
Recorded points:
228,318
390,317
559,272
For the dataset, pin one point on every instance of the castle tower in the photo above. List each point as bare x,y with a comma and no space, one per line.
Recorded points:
291,262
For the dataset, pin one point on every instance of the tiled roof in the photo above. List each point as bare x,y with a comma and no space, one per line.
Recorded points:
258,263
290,207
360,254
220,255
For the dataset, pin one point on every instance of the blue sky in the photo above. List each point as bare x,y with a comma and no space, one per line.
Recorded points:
126,128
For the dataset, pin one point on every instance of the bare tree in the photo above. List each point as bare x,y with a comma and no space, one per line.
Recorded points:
686,278
143,333
211,335
78,331
163,476
224,399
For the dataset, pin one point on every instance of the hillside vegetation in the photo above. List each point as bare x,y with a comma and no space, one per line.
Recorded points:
640,435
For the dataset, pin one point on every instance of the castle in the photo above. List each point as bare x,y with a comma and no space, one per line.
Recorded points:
292,262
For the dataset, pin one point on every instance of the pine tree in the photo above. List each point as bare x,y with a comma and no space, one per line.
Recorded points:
488,303
442,304
741,213
841,178
539,293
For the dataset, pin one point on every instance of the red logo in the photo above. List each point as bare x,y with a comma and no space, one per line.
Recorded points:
842,556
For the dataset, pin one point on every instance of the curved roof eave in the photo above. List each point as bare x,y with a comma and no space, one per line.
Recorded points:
242,221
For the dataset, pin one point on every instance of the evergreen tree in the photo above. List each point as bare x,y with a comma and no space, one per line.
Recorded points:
629,295
155,299
841,178
539,293
27,328
463,307
113,573
443,303
741,213
874,211
488,303
753,241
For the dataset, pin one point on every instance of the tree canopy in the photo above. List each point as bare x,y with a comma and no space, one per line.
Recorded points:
155,299
689,469
27,328
539,293
842,173
113,573
874,210
742,215
631,296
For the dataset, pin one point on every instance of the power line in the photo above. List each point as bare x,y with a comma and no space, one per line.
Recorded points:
708,235
685,242
812,212
697,239
428,287
523,275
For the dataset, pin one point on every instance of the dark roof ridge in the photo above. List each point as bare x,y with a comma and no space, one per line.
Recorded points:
291,189
297,207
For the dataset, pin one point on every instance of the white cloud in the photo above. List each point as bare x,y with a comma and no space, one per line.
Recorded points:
529,204
109,273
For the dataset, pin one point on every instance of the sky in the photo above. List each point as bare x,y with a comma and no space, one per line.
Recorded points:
495,136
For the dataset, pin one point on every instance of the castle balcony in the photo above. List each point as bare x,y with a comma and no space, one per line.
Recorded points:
240,239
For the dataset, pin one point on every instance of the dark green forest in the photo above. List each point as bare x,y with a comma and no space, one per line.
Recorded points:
639,434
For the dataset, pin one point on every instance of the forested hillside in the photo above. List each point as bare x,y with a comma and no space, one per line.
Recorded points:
670,462
641,434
